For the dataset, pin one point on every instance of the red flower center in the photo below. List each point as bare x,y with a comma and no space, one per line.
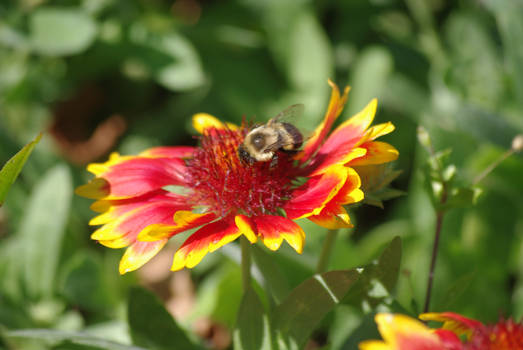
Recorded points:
226,185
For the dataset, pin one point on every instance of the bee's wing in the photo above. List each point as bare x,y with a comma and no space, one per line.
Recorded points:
291,112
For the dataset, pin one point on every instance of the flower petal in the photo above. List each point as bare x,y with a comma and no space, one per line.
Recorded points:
334,109
453,322
95,189
114,158
311,198
378,130
274,229
138,254
247,227
401,332
377,153
124,228
334,215
183,220
114,209
202,121
133,177
332,218
207,239
342,143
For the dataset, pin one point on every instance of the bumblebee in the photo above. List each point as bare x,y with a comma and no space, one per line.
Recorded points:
262,142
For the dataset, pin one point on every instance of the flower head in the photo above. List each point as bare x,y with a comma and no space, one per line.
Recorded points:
401,332
145,200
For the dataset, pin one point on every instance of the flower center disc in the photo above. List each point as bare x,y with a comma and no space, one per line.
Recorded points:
226,185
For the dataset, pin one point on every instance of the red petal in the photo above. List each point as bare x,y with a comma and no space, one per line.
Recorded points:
334,215
310,198
183,220
454,322
336,104
341,146
123,229
274,229
134,177
207,239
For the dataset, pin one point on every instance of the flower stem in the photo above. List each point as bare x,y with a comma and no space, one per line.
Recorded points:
435,246
326,251
246,263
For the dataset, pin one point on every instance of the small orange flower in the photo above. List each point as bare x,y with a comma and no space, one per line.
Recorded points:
402,332
226,198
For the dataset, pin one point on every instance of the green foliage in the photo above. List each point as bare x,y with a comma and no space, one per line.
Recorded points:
74,67
12,168
65,340
58,31
252,327
151,325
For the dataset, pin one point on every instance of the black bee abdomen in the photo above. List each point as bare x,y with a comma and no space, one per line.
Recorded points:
294,134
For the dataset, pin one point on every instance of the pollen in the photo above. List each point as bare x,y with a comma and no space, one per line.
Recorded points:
225,185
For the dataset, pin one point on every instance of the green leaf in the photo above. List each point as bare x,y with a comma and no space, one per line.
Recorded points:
42,229
151,325
389,264
12,168
378,279
60,31
252,330
457,289
275,280
54,337
83,283
298,315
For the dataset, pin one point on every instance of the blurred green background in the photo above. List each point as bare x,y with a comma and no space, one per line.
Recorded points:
103,75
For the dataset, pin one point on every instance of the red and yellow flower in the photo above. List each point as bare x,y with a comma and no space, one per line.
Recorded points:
402,332
145,200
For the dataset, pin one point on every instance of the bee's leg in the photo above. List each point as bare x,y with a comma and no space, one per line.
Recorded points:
274,161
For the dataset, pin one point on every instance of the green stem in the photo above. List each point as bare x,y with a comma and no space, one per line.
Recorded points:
246,263
326,251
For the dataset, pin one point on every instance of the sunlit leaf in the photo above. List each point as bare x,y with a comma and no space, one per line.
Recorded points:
12,168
